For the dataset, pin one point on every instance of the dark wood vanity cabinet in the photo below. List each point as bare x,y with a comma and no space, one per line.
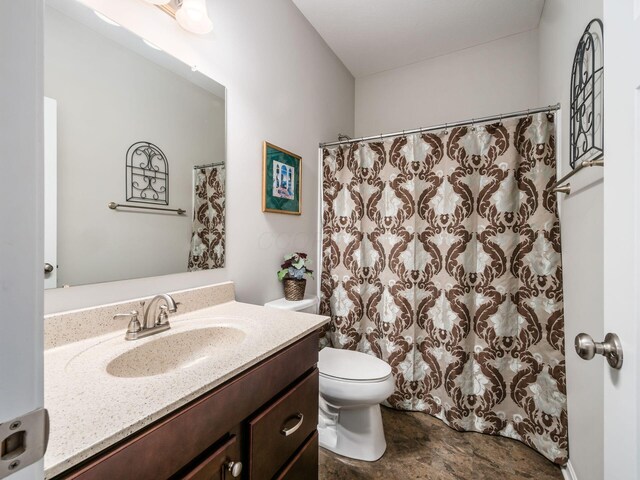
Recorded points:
264,419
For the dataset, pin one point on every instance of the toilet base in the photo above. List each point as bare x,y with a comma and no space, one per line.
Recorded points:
358,432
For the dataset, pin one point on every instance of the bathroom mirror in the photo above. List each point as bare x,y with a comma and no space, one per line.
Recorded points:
130,126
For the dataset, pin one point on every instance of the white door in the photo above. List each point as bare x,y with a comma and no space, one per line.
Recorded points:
622,234
50,193
21,218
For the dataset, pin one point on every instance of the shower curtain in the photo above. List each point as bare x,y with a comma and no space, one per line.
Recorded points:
441,255
207,239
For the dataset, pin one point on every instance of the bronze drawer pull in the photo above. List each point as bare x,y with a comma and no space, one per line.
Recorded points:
288,431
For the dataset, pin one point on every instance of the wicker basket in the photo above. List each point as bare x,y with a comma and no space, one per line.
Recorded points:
294,289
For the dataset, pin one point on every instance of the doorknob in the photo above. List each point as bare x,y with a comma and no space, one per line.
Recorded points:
48,268
611,348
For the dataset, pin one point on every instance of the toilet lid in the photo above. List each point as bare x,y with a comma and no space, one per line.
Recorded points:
351,365
295,305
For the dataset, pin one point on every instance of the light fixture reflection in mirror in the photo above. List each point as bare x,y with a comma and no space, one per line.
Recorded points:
133,92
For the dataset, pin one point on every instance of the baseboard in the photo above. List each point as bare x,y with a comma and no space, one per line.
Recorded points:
568,472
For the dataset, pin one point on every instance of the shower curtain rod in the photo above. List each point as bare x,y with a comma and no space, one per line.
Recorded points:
217,164
446,125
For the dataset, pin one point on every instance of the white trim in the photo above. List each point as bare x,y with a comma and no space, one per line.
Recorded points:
568,473
319,238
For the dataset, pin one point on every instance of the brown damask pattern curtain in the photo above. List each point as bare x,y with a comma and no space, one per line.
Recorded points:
441,255
207,239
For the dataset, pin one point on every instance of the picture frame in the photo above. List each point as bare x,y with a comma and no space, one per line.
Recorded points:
281,180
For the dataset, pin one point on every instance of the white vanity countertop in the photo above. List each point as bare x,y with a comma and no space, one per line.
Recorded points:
90,409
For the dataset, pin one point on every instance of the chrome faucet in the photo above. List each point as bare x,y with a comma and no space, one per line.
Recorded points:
153,323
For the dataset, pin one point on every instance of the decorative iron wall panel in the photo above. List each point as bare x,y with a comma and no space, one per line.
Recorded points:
587,96
147,179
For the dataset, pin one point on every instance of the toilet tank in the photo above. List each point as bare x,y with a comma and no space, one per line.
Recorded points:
307,305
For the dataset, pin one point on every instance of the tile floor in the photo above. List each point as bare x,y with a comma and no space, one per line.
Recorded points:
422,447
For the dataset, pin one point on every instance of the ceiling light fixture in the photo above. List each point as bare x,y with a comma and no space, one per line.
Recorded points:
106,19
190,14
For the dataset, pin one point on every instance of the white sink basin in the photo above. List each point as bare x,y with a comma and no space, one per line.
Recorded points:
175,351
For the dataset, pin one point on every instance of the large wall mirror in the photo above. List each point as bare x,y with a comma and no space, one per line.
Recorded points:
127,125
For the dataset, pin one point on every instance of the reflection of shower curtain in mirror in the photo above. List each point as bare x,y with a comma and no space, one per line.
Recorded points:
207,239
441,255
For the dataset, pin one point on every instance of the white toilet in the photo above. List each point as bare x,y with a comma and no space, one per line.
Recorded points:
352,386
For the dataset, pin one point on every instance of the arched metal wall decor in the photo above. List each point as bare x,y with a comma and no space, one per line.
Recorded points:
147,174
586,123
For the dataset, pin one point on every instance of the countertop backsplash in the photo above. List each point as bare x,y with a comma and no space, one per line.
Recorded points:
67,327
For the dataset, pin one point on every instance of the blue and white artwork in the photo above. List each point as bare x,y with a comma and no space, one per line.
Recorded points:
283,180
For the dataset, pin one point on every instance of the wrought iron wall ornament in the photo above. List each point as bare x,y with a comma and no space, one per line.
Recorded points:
147,174
586,121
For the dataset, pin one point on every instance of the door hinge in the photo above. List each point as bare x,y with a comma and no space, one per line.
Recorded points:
23,441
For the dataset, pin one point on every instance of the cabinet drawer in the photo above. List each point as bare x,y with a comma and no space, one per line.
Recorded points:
304,465
281,428
212,465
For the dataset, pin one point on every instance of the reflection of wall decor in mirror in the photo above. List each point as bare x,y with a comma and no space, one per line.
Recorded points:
95,71
586,118
147,174
281,180
115,206
207,237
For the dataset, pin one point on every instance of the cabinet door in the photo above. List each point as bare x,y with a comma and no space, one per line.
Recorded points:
222,462
282,428
304,464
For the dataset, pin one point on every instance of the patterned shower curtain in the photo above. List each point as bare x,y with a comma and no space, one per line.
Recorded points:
207,239
441,255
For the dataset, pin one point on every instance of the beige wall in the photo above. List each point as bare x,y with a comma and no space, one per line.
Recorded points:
284,85
581,219
499,76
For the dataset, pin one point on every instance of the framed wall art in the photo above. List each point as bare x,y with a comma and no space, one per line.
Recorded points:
281,180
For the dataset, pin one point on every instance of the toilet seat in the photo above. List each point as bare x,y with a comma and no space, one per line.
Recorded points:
351,366
348,380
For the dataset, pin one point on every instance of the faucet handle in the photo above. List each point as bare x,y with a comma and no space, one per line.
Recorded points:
131,314
134,323
163,316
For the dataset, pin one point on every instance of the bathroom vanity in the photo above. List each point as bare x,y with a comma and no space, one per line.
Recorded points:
260,425
242,403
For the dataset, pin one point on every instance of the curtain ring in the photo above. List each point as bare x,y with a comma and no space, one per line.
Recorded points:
473,124
500,122
446,129
381,138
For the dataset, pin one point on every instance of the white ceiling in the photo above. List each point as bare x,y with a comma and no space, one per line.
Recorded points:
371,36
